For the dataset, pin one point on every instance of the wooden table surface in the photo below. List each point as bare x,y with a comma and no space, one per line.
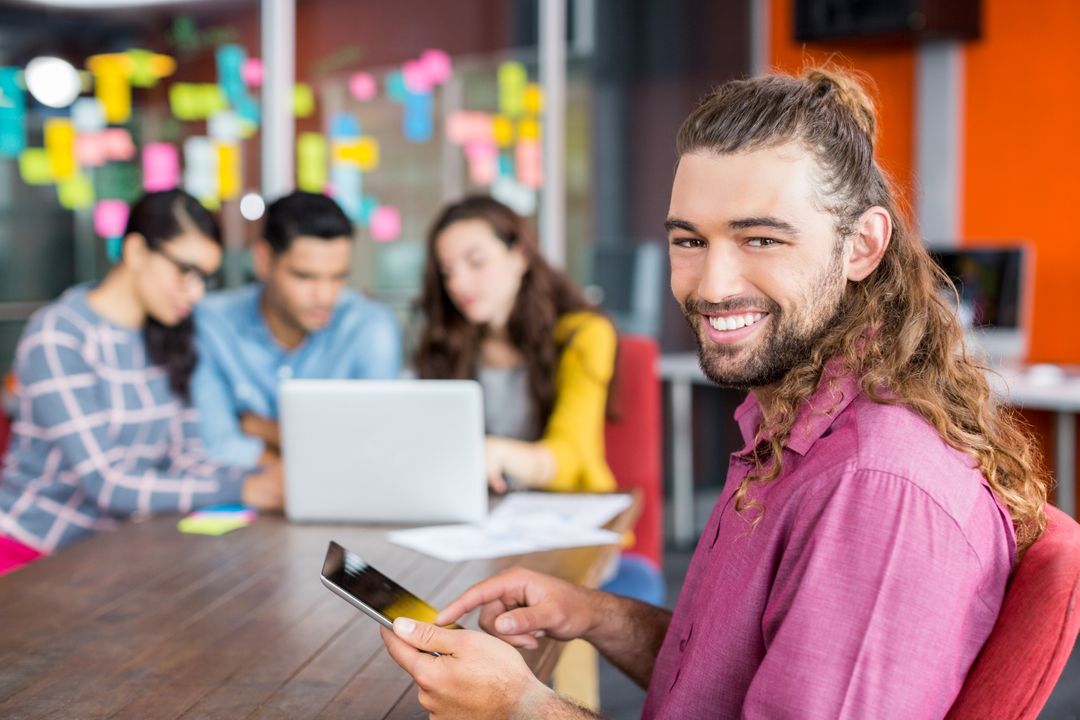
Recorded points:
147,622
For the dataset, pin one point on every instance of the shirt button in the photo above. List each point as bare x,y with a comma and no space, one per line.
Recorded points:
284,372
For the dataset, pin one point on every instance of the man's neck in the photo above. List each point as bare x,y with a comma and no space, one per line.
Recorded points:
287,334
765,396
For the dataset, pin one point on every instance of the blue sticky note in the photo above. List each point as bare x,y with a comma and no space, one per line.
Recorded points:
344,126
418,124
12,113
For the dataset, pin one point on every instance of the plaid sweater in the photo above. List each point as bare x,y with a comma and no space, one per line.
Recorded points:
97,435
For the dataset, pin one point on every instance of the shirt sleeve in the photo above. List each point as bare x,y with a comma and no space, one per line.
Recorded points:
219,417
70,411
574,434
877,609
378,346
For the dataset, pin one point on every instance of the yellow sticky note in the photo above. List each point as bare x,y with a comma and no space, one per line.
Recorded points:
303,100
503,129
364,153
228,170
147,67
34,167
311,162
76,192
112,84
211,524
529,129
533,99
60,147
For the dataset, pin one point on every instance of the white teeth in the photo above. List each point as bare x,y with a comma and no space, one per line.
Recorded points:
734,322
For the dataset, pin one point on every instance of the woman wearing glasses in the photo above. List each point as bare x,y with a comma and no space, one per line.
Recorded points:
103,427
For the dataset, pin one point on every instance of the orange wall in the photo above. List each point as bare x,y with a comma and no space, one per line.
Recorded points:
1022,153
892,68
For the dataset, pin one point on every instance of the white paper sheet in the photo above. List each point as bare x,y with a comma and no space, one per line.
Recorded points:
522,523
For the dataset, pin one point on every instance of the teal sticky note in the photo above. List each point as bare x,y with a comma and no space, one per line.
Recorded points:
12,113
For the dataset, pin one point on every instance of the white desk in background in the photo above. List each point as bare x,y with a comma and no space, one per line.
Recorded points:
1038,387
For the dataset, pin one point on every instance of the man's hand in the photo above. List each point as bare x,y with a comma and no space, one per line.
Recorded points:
265,429
520,605
265,490
474,677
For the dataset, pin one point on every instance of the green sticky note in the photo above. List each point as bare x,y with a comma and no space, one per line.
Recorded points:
34,166
211,524
76,192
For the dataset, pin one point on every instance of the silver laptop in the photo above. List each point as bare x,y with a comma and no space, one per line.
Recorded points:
384,451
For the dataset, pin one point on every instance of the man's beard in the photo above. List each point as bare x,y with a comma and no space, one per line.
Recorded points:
788,344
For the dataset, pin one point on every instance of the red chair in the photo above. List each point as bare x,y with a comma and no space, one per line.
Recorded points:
1022,659
632,440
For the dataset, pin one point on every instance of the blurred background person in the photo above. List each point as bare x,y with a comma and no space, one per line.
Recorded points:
103,426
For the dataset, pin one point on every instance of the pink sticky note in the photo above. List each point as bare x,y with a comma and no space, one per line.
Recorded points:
385,223
438,65
118,144
110,217
362,86
464,127
528,163
161,167
483,157
90,150
252,72
415,75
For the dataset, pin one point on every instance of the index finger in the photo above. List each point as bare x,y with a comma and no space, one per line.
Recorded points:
499,588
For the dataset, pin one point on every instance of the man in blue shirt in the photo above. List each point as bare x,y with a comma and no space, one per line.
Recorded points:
300,321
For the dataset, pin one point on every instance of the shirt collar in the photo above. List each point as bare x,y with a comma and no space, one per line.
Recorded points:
814,417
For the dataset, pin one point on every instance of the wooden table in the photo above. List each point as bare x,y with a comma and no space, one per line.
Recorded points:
146,622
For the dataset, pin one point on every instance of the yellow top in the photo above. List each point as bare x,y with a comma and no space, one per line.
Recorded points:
575,431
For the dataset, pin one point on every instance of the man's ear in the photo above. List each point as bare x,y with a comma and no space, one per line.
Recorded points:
134,251
262,257
867,246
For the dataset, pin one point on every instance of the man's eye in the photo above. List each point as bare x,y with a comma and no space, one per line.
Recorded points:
762,242
688,242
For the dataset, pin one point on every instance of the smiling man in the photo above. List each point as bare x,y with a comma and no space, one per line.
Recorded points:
857,558
299,321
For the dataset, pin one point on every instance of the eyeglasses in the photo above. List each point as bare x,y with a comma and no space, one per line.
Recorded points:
191,273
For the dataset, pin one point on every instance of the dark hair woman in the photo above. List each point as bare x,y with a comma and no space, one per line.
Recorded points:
103,428
494,310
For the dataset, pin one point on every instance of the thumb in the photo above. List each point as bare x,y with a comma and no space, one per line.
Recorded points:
425,636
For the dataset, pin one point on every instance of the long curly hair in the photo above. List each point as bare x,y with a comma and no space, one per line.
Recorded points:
895,330
449,345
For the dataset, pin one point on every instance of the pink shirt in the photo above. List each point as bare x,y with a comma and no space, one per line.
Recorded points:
867,589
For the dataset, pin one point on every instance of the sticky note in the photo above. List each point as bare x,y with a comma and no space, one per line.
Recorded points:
60,146
90,150
225,125
363,153
368,205
76,192
252,72
395,86
161,167
362,86
512,79
514,195
229,182
311,161
88,115
12,113
529,129
147,67
200,168
437,64
196,101
528,163
303,100
385,224
464,127
506,165
211,524
483,161
344,126
119,181
118,144
414,74
110,218
346,185
418,124
230,66
34,167
533,99
112,84
503,130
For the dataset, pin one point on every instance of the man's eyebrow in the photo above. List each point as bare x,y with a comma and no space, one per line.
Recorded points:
677,224
764,221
